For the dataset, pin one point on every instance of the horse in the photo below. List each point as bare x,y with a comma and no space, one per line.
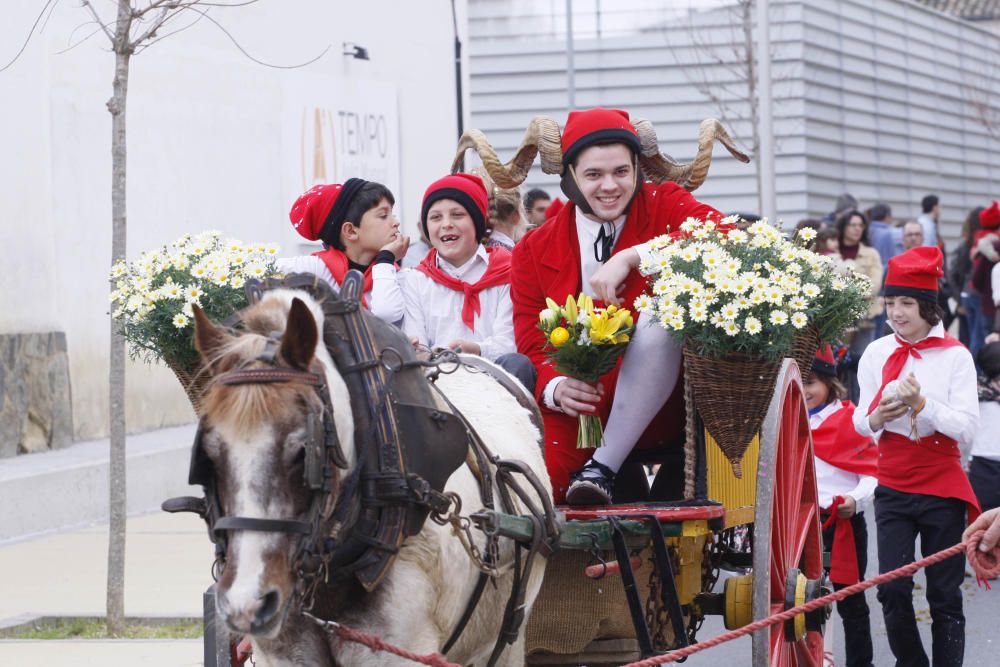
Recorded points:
254,438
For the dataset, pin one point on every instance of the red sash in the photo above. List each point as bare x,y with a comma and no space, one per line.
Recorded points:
930,466
837,443
894,364
336,261
497,273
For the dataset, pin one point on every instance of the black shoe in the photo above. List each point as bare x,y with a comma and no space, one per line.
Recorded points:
593,484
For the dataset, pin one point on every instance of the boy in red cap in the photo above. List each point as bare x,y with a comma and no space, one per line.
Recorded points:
359,231
846,464
461,276
919,401
594,244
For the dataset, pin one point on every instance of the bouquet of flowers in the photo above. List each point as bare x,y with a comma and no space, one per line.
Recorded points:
723,289
154,295
738,301
585,342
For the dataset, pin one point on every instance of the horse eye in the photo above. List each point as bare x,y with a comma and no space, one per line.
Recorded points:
299,458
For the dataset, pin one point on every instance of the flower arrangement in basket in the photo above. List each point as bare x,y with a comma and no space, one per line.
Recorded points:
154,296
739,300
585,342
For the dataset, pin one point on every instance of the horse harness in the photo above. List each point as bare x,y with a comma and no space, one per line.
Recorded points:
395,484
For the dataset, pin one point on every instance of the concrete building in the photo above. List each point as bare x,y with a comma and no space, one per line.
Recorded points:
216,141
887,100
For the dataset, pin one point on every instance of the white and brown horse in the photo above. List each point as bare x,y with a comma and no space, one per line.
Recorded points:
254,436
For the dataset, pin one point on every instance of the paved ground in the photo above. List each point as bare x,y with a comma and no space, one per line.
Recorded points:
982,611
167,569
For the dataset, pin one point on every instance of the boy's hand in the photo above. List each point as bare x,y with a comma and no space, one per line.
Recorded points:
575,396
398,245
848,508
466,346
990,522
889,408
609,281
908,392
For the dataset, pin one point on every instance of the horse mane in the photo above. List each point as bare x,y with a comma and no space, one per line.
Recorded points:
247,406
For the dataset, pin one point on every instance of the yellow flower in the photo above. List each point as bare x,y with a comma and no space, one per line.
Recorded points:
559,336
571,311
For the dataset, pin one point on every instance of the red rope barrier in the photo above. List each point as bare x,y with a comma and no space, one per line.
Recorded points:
376,644
986,565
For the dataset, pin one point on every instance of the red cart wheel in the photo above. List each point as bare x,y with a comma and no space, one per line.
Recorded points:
788,548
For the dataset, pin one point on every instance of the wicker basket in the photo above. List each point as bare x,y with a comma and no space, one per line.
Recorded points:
804,348
731,395
194,381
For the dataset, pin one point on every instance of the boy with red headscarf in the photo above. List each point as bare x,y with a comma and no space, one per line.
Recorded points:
459,295
919,401
359,231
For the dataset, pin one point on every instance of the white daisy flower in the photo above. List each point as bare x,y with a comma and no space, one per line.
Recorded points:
811,290
180,320
752,325
799,320
778,317
731,328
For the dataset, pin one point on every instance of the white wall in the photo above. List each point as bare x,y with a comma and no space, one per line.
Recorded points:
208,148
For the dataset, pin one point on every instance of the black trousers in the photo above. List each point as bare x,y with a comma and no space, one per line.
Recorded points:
984,475
900,517
854,609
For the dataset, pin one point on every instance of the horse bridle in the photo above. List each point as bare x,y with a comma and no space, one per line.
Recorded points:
323,454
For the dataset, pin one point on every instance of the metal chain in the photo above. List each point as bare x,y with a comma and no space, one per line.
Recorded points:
461,527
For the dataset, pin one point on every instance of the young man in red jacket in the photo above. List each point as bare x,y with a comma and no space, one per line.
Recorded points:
595,244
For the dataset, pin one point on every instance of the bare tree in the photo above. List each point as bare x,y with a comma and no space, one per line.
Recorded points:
138,24
735,99
980,92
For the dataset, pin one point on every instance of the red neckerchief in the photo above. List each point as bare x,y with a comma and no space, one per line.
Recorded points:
497,273
836,442
930,465
894,364
337,262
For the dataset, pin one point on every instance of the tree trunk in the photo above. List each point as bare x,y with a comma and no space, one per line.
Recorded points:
116,472
747,9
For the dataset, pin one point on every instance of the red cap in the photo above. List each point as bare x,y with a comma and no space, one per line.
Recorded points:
584,128
989,218
468,190
915,273
320,212
825,363
552,210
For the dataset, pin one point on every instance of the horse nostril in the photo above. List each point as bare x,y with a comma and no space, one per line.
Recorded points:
269,603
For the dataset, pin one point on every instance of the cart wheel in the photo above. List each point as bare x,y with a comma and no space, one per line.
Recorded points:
787,554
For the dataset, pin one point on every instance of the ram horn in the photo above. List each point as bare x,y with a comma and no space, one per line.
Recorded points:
659,167
542,137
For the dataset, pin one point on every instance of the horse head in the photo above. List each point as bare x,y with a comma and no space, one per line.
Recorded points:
275,439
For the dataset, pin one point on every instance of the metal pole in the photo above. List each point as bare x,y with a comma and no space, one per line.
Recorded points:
570,68
458,71
766,130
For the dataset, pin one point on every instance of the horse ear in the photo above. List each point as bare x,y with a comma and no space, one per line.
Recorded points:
208,338
298,344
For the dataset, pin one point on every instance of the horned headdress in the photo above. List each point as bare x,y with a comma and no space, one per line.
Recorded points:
556,148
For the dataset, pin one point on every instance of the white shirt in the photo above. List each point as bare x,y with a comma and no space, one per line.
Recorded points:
832,481
434,312
947,378
385,301
995,284
987,442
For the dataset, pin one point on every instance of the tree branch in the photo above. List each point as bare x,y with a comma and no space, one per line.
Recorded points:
30,33
97,19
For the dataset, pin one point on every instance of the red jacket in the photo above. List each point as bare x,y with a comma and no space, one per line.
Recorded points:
546,263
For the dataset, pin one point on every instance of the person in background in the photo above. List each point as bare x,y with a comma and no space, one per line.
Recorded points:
535,203
458,297
882,235
554,208
929,218
846,464
913,234
505,223
855,252
984,464
826,242
972,326
359,231
845,202
985,256
919,401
